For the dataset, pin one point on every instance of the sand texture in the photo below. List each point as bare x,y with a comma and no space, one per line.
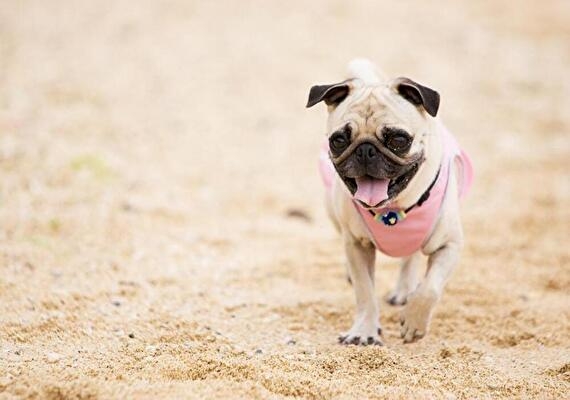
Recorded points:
162,231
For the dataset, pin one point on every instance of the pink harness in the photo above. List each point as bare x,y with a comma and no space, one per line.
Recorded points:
409,234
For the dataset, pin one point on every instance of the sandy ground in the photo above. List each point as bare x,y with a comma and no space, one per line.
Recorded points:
162,233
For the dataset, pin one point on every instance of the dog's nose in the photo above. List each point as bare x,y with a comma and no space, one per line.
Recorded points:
366,152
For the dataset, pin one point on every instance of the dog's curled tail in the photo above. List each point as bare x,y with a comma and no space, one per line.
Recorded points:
366,71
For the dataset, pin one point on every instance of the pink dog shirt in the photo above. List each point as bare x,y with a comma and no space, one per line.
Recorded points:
408,235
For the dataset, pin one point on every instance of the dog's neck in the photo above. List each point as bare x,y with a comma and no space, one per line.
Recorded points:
433,153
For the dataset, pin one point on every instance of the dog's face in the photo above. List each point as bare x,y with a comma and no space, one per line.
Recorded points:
377,134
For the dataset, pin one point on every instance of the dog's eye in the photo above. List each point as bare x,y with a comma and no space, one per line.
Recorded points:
398,142
338,142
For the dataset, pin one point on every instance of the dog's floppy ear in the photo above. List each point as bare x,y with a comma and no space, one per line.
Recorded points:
331,94
418,95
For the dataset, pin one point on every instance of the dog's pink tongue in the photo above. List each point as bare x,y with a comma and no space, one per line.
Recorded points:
371,191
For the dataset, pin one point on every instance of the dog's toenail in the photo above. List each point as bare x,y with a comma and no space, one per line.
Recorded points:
355,340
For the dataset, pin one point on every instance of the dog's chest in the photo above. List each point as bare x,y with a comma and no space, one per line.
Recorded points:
402,238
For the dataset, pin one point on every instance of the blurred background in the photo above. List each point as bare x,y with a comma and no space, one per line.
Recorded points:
162,231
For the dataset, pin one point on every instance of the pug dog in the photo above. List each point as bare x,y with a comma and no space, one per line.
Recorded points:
394,176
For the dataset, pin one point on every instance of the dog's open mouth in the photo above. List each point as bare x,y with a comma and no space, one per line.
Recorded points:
374,192
371,191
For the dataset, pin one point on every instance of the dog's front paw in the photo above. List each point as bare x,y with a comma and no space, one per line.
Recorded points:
398,297
416,316
362,334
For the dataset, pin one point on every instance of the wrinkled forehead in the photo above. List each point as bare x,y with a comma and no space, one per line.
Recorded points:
368,109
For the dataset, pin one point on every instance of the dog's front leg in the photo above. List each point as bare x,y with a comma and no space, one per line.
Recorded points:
416,315
366,328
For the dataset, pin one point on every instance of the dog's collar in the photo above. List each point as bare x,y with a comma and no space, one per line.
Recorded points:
392,217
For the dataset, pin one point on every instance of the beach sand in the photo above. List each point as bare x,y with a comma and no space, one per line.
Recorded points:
162,230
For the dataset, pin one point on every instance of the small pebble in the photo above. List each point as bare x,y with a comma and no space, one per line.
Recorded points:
132,335
298,213
127,206
258,351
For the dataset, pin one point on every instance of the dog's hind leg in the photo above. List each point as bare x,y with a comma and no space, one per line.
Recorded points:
408,280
